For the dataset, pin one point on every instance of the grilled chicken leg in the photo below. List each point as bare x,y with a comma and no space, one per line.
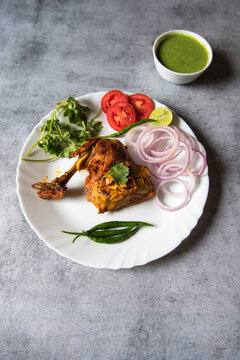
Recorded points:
98,156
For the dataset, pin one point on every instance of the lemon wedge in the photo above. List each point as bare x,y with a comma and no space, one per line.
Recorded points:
162,115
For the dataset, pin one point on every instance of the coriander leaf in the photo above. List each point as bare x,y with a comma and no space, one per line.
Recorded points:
77,137
51,125
68,150
119,173
75,112
95,126
52,145
60,138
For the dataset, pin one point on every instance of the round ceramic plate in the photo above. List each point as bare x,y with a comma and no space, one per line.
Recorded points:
73,213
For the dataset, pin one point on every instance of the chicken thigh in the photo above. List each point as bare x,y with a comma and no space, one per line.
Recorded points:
97,156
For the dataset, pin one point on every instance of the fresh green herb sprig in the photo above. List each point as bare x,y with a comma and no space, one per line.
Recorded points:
75,112
60,139
110,232
119,173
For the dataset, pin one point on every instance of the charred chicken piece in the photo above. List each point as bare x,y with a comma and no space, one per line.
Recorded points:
97,156
57,188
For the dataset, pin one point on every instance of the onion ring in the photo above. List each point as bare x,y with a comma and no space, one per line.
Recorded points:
171,155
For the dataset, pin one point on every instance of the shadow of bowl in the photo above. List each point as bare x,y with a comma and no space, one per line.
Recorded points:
220,71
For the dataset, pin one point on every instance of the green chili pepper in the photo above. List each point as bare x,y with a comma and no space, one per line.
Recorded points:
114,239
101,233
117,224
106,232
127,128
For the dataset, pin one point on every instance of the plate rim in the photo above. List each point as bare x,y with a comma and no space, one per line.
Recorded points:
111,267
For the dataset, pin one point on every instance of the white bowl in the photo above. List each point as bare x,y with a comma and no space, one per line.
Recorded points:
176,77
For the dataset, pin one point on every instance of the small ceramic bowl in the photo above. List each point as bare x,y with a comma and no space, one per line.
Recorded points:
177,77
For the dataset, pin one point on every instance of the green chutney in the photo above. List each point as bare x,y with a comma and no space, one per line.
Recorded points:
182,53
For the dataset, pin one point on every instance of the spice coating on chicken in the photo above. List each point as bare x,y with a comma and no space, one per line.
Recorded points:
101,189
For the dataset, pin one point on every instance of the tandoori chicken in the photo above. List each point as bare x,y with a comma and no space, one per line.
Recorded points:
98,156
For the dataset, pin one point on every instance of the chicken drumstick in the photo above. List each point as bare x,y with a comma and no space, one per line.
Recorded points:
98,156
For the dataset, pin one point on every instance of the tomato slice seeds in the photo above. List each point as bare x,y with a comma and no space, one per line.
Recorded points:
111,97
120,115
142,105
130,108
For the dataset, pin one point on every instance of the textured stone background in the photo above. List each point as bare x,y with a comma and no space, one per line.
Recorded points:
183,306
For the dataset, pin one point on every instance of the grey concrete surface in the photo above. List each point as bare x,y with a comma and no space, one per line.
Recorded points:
183,306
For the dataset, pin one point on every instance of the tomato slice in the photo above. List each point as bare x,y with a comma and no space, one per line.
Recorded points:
120,115
112,97
142,105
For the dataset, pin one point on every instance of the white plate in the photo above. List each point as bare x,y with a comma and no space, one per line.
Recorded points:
74,213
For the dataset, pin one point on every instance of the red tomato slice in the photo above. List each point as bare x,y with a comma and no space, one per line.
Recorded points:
120,115
142,105
112,97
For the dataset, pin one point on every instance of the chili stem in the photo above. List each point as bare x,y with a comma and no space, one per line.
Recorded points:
126,129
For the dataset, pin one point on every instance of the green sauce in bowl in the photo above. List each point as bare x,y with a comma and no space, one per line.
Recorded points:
182,53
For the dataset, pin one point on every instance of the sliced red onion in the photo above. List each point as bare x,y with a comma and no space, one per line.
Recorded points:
201,170
159,156
171,155
185,195
132,135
